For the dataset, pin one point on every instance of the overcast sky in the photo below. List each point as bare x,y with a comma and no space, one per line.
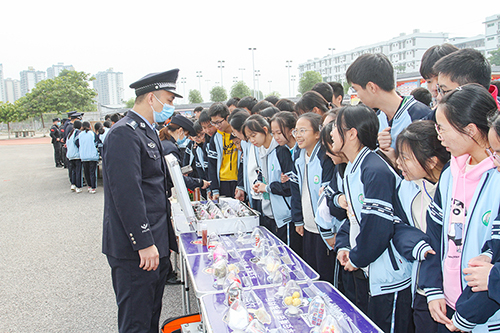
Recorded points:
141,37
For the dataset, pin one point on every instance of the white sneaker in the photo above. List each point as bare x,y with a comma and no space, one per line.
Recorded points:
73,188
89,189
78,190
92,191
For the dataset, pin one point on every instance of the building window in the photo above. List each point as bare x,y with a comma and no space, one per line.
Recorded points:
490,25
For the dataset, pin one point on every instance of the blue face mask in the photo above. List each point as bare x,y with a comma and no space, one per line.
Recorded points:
165,113
181,141
58,123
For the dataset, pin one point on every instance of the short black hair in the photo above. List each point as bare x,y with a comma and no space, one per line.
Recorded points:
325,90
269,112
198,109
204,118
233,101
261,106
309,101
106,124
115,117
197,127
374,68
237,118
272,99
431,56
218,109
338,89
465,66
422,95
247,102
285,104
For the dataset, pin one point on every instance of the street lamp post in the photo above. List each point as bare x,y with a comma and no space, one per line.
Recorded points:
199,76
235,79
221,66
257,74
289,65
293,82
183,81
253,67
241,69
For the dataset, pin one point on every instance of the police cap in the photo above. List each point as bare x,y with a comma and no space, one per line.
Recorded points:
157,81
184,123
56,119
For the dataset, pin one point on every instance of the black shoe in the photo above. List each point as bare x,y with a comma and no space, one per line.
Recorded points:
173,280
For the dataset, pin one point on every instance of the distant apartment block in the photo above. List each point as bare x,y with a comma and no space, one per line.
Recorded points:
29,79
12,90
55,70
109,87
2,88
492,34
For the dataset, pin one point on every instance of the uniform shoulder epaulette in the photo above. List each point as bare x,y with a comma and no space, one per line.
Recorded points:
132,123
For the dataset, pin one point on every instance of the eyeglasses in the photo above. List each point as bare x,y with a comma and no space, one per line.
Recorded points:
217,123
441,91
493,155
301,131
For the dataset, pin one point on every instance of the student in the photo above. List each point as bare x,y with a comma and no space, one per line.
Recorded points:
325,90
207,126
285,105
247,103
467,191
421,158
272,99
232,103
312,101
273,160
73,155
196,112
422,95
248,166
282,126
338,94
372,76
173,135
482,292
223,157
462,67
87,142
430,57
370,191
195,155
312,171
269,112
261,106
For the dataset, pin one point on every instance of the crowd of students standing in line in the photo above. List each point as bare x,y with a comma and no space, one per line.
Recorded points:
393,200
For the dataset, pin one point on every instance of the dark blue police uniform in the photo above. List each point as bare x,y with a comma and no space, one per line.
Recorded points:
136,216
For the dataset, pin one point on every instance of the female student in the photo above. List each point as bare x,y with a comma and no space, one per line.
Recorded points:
273,160
312,171
175,134
421,158
195,155
366,241
282,125
87,142
73,155
312,101
460,218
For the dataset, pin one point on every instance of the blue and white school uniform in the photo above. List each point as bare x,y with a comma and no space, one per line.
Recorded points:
75,163
88,143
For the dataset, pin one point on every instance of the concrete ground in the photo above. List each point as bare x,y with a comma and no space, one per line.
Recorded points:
53,275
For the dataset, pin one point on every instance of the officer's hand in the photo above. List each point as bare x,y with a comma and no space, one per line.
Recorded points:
150,258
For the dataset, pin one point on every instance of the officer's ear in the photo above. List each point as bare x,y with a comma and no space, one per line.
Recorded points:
150,98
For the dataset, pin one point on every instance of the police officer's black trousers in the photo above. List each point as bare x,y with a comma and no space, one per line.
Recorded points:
139,294
58,153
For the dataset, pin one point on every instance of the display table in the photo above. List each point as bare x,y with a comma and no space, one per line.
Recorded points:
213,309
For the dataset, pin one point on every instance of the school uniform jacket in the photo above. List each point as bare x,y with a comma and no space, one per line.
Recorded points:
243,181
73,152
197,155
479,223
370,186
170,147
320,173
409,110
136,191
87,143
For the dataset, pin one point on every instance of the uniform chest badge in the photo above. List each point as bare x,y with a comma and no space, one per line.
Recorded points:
151,145
143,125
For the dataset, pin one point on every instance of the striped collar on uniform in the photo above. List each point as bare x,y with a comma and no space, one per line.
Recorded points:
357,161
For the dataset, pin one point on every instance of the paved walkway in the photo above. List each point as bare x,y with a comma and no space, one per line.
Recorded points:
53,275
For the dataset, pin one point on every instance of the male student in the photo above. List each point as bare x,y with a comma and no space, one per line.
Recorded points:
372,76
223,156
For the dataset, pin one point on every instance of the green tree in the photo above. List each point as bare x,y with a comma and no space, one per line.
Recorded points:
495,57
308,80
130,103
195,96
401,68
274,93
240,90
67,92
218,94
257,94
9,113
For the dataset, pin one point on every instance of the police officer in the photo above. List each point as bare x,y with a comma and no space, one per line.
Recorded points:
55,134
138,234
